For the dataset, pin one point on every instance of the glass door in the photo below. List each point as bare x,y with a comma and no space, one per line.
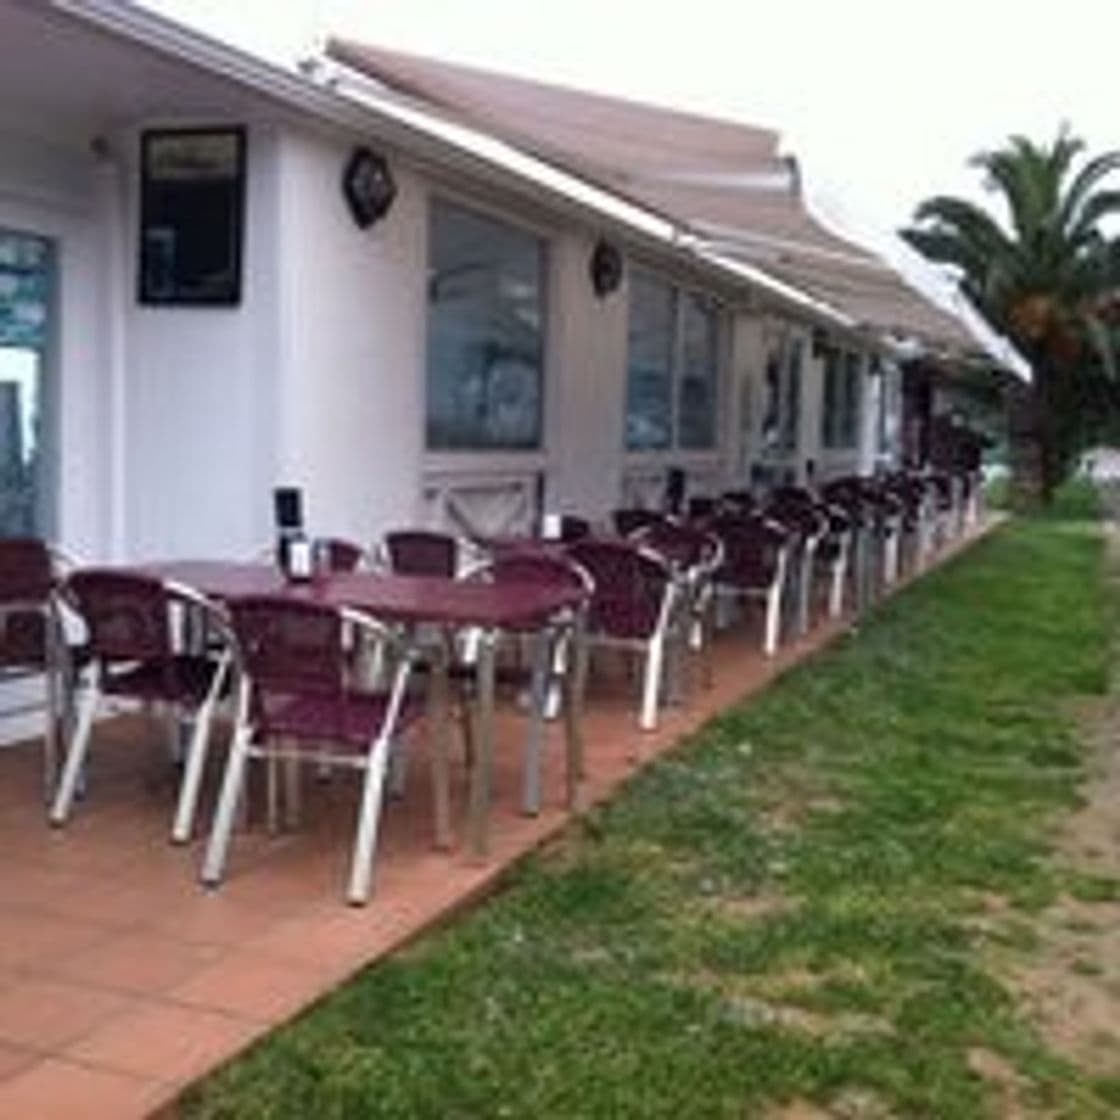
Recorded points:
26,334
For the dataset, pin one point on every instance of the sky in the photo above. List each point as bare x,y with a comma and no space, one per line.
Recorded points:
882,102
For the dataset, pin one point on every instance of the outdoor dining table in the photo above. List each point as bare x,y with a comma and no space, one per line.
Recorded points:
412,601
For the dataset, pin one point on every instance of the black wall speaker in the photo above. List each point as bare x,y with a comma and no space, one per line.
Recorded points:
368,187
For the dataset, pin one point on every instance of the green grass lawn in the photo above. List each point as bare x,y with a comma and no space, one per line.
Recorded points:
794,906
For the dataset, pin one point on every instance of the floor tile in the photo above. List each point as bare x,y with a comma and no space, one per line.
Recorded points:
169,1043
265,990
60,1090
138,962
46,1014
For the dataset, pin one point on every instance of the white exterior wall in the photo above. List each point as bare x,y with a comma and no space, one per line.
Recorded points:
350,406
199,391
585,398
809,445
746,397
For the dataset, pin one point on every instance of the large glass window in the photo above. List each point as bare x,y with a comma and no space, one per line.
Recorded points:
649,377
781,416
25,318
672,367
485,333
696,404
841,406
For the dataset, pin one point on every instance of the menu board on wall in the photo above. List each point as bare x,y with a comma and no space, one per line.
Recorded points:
192,206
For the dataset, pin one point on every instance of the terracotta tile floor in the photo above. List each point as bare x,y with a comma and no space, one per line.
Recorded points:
121,980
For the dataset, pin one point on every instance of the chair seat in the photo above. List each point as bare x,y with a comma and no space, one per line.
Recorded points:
181,680
351,719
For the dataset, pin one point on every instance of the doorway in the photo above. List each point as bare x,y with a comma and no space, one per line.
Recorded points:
27,332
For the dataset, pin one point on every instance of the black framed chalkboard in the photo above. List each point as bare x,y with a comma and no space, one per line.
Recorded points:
192,213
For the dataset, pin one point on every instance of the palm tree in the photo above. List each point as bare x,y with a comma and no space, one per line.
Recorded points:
1045,275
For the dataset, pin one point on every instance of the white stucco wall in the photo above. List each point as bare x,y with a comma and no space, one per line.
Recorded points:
351,329
200,386
586,394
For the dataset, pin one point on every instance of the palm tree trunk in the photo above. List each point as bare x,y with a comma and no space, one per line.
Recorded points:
1027,448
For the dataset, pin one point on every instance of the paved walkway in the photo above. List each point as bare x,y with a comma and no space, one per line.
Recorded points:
121,981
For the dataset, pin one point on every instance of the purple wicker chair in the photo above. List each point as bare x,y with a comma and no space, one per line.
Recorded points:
421,552
807,526
295,702
559,668
132,655
755,557
30,635
693,554
632,607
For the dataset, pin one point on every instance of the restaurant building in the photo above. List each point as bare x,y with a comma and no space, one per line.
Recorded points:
422,293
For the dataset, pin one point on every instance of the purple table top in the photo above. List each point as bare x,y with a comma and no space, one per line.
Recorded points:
395,597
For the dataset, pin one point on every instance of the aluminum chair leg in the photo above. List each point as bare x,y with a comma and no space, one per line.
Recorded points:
483,762
195,767
651,683
365,843
836,590
543,656
217,847
890,558
75,758
773,619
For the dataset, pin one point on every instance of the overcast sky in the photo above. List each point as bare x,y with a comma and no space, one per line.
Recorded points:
883,102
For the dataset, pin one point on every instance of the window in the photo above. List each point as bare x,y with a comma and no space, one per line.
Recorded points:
673,367
841,406
485,333
649,376
26,283
696,403
781,417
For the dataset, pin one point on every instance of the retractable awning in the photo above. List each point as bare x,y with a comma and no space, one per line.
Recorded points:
726,183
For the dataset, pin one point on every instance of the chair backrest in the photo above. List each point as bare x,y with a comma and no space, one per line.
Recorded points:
631,519
342,555
288,646
685,547
26,570
752,549
126,614
422,552
630,587
541,569
799,517
737,501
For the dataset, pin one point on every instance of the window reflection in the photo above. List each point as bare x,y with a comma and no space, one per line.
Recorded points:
485,333
696,427
649,372
673,353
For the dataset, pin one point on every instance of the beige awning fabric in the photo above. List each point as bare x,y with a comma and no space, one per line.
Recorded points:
723,183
